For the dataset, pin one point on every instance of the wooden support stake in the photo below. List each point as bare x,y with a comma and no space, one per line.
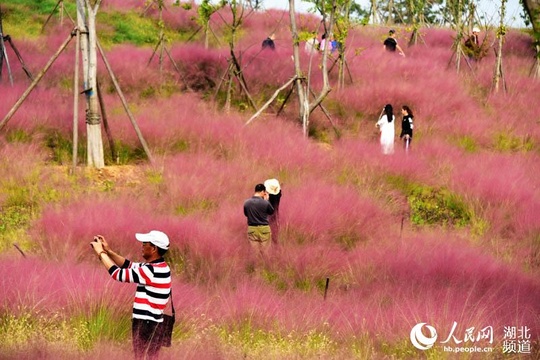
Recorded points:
76,103
326,287
35,82
108,132
124,103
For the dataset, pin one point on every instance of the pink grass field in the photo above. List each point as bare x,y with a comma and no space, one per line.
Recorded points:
345,214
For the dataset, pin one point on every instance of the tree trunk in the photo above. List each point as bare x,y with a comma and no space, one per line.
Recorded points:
532,8
374,12
390,19
497,74
86,20
302,98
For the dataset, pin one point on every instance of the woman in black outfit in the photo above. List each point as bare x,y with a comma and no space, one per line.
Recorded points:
406,127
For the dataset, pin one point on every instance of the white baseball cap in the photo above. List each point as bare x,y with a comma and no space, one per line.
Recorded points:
158,238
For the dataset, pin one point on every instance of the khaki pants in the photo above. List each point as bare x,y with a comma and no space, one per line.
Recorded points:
259,237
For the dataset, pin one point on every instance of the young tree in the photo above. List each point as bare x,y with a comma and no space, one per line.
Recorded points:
86,22
205,10
501,31
234,70
306,107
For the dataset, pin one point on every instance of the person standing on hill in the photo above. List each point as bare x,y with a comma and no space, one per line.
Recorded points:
386,127
391,44
274,197
257,209
153,290
406,127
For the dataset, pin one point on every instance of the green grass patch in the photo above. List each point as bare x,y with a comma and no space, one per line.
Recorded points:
432,206
256,343
467,143
506,142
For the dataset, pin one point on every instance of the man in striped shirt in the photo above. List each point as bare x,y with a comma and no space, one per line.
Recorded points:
153,290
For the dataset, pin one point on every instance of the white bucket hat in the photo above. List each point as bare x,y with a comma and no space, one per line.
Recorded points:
158,238
272,186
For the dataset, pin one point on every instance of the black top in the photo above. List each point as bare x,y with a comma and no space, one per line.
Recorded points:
257,210
407,126
268,44
390,44
274,201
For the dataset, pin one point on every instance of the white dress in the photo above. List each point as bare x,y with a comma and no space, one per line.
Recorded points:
311,46
388,133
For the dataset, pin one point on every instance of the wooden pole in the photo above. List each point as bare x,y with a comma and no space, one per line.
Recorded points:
76,103
124,103
35,82
108,132
326,287
4,56
276,93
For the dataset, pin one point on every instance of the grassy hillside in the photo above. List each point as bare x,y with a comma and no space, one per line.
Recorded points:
447,235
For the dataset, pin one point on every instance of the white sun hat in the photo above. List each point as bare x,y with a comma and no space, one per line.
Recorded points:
158,238
272,186
476,29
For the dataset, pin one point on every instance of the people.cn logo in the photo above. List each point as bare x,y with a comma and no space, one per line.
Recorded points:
419,340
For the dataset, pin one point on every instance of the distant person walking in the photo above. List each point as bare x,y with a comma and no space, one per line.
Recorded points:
407,127
268,43
311,46
257,209
274,197
387,129
153,290
391,44
473,47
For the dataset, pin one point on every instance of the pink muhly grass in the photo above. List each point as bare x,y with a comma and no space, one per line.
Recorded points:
331,213
74,225
66,289
504,199
192,178
28,158
426,280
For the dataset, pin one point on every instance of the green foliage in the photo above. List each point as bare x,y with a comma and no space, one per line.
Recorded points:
14,217
349,239
256,343
62,147
274,279
105,325
195,206
128,28
467,143
18,136
431,206
127,154
17,331
508,142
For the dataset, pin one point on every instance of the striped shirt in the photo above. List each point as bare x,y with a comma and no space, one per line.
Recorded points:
153,289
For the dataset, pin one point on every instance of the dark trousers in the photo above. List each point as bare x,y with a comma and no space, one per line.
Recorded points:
146,339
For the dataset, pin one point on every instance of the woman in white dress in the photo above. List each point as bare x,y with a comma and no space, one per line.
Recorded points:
387,129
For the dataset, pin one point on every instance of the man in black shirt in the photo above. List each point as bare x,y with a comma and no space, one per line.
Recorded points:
257,209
